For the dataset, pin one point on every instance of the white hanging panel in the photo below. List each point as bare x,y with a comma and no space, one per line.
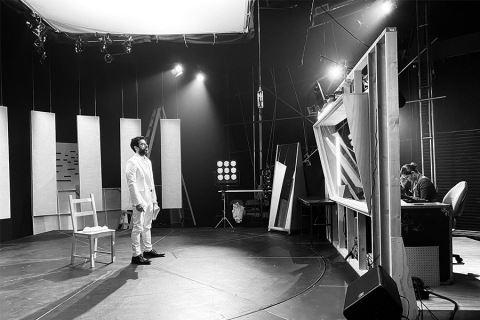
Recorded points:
129,128
44,164
89,158
5,165
171,160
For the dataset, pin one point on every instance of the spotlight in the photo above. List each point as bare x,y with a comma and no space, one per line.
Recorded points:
79,45
227,174
178,70
108,58
200,77
387,7
127,45
335,72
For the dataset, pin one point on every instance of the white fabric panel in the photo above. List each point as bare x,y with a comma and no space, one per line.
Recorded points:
171,164
129,128
5,165
44,162
145,17
89,158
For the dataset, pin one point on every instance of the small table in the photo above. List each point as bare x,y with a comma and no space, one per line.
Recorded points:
317,201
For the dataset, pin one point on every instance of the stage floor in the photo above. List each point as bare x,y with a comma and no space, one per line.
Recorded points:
207,273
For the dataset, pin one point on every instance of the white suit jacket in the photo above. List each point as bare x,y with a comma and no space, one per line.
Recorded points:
140,180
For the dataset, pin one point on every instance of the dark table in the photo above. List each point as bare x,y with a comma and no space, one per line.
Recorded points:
317,201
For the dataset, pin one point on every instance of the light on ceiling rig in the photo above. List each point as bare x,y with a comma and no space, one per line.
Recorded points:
178,70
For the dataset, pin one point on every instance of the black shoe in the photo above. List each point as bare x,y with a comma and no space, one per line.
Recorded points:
153,254
140,260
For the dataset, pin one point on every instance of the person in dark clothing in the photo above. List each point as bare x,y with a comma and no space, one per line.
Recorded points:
422,186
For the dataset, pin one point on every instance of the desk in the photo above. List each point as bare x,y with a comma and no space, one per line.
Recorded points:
317,201
426,225
225,205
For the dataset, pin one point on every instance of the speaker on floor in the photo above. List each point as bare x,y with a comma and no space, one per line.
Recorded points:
373,296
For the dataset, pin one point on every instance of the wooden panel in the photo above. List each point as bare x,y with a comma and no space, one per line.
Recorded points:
129,128
89,159
5,165
44,172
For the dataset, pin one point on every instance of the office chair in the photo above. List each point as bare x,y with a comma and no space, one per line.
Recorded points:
456,198
90,233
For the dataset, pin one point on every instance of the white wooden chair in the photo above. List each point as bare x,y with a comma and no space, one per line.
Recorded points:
90,233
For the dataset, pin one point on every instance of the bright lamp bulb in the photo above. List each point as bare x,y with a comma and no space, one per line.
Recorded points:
233,163
234,177
219,163
227,170
335,72
219,177
226,163
219,170
387,7
227,177
200,77
234,170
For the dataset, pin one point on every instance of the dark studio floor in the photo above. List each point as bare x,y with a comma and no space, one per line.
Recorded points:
242,273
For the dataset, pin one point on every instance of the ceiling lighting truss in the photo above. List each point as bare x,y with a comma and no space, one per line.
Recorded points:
39,29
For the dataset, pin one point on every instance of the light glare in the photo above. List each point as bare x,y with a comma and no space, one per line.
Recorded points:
387,7
200,77
335,72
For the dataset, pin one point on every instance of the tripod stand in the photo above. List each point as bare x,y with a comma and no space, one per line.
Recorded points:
224,211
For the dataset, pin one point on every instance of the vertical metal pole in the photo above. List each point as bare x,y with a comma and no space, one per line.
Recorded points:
431,126
419,77
260,106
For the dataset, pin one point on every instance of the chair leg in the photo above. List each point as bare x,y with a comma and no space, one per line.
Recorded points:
74,250
96,248
112,249
92,252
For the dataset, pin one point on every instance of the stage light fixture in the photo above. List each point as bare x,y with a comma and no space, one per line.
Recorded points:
178,70
200,76
108,58
335,72
227,173
387,7
79,45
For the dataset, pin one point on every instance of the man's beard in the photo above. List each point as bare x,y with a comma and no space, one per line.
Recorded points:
142,152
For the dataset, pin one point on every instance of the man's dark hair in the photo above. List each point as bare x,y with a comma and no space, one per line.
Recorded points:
134,142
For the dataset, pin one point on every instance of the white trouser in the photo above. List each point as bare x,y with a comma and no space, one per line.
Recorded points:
142,223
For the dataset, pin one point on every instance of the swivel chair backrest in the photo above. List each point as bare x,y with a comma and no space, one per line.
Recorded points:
456,198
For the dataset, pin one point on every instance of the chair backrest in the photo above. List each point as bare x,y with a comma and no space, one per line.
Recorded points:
456,198
75,214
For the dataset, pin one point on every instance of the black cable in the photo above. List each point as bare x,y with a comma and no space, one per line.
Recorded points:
408,308
345,28
448,299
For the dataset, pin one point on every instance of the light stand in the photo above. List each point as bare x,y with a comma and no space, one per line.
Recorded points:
224,211
226,174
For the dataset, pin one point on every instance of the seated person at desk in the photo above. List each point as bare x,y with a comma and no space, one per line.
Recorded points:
422,187
405,187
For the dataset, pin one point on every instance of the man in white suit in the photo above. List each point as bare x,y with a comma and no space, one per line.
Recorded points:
144,201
